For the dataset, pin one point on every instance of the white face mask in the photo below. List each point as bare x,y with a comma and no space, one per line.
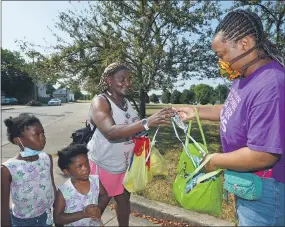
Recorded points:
28,152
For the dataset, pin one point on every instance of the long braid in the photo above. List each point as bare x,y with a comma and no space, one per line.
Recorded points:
240,23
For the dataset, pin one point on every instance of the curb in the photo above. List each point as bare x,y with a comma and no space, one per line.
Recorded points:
167,212
7,108
15,107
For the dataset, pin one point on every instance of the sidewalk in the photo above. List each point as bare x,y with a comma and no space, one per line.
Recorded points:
11,107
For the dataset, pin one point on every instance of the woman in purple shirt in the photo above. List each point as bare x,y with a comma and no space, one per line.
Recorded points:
252,118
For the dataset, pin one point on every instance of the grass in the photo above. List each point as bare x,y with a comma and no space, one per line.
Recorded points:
160,189
83,101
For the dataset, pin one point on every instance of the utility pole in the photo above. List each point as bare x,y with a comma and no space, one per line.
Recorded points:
66,94
35,82
32,55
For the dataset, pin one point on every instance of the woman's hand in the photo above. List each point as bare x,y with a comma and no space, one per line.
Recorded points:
161,117
186,113
210,165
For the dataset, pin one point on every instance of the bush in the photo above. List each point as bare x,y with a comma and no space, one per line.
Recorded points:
34,103
154,98
175,97
44,100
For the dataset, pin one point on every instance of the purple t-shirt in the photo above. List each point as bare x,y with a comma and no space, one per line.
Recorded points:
253,115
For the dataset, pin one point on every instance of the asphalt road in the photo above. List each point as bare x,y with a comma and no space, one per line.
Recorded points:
58,121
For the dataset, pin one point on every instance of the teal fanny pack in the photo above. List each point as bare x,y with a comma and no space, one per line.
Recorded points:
244,185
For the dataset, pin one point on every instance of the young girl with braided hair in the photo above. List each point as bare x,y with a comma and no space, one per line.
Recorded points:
252,118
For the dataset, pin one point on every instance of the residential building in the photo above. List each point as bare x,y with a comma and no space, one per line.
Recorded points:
64,95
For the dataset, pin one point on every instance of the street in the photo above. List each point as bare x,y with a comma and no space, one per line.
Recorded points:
58,121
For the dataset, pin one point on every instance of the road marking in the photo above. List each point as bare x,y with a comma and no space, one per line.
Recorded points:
3,145
57,120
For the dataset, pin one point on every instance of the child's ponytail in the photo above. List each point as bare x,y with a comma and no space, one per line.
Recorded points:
9,122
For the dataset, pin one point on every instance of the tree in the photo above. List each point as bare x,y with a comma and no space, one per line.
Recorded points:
75,89
187,96
175,97
192,87
146,98
150,36
154,98
203,93
15,81
214,97
222,92
272,15
165,97
78,95
50,89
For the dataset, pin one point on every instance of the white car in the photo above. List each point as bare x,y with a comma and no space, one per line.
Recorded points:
54,102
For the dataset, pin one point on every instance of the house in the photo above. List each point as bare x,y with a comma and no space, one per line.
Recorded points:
64,95
42,89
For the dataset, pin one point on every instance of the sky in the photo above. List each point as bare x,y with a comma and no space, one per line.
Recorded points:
31,20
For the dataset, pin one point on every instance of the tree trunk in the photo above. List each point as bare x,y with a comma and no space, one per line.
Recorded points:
35,91
134,103
142,103
278,31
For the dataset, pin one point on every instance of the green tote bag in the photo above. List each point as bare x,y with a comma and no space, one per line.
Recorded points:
206,196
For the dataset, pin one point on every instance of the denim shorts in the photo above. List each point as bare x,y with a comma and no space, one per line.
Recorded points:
267,211
36,221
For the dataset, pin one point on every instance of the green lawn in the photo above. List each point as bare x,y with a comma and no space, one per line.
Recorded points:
160,189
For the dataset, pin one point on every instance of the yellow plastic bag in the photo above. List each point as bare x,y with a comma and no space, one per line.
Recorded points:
158,165
138,175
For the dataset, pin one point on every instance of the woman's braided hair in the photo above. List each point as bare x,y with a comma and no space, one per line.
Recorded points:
110,70
240,23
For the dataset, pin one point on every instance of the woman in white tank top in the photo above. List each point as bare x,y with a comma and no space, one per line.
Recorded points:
117,122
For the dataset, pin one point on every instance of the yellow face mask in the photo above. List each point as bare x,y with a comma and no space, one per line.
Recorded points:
227,71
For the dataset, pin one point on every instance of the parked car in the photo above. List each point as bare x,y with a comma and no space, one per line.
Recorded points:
54,102
9,101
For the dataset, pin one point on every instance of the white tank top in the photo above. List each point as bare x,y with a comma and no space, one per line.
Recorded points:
113,156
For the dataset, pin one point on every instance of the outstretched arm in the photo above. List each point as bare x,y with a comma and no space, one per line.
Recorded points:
102,117
211,113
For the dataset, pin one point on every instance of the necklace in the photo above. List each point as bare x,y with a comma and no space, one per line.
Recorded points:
124,107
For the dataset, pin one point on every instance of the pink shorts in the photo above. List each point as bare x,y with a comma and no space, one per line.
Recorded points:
113,183
264,174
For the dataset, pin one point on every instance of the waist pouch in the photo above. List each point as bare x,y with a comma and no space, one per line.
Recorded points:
244,185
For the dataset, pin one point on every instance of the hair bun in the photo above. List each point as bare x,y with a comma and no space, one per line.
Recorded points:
9,122
24,115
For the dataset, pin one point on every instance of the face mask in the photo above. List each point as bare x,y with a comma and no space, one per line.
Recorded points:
227,71
28,152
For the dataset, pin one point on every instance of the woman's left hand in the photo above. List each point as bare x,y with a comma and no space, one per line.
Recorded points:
210,165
